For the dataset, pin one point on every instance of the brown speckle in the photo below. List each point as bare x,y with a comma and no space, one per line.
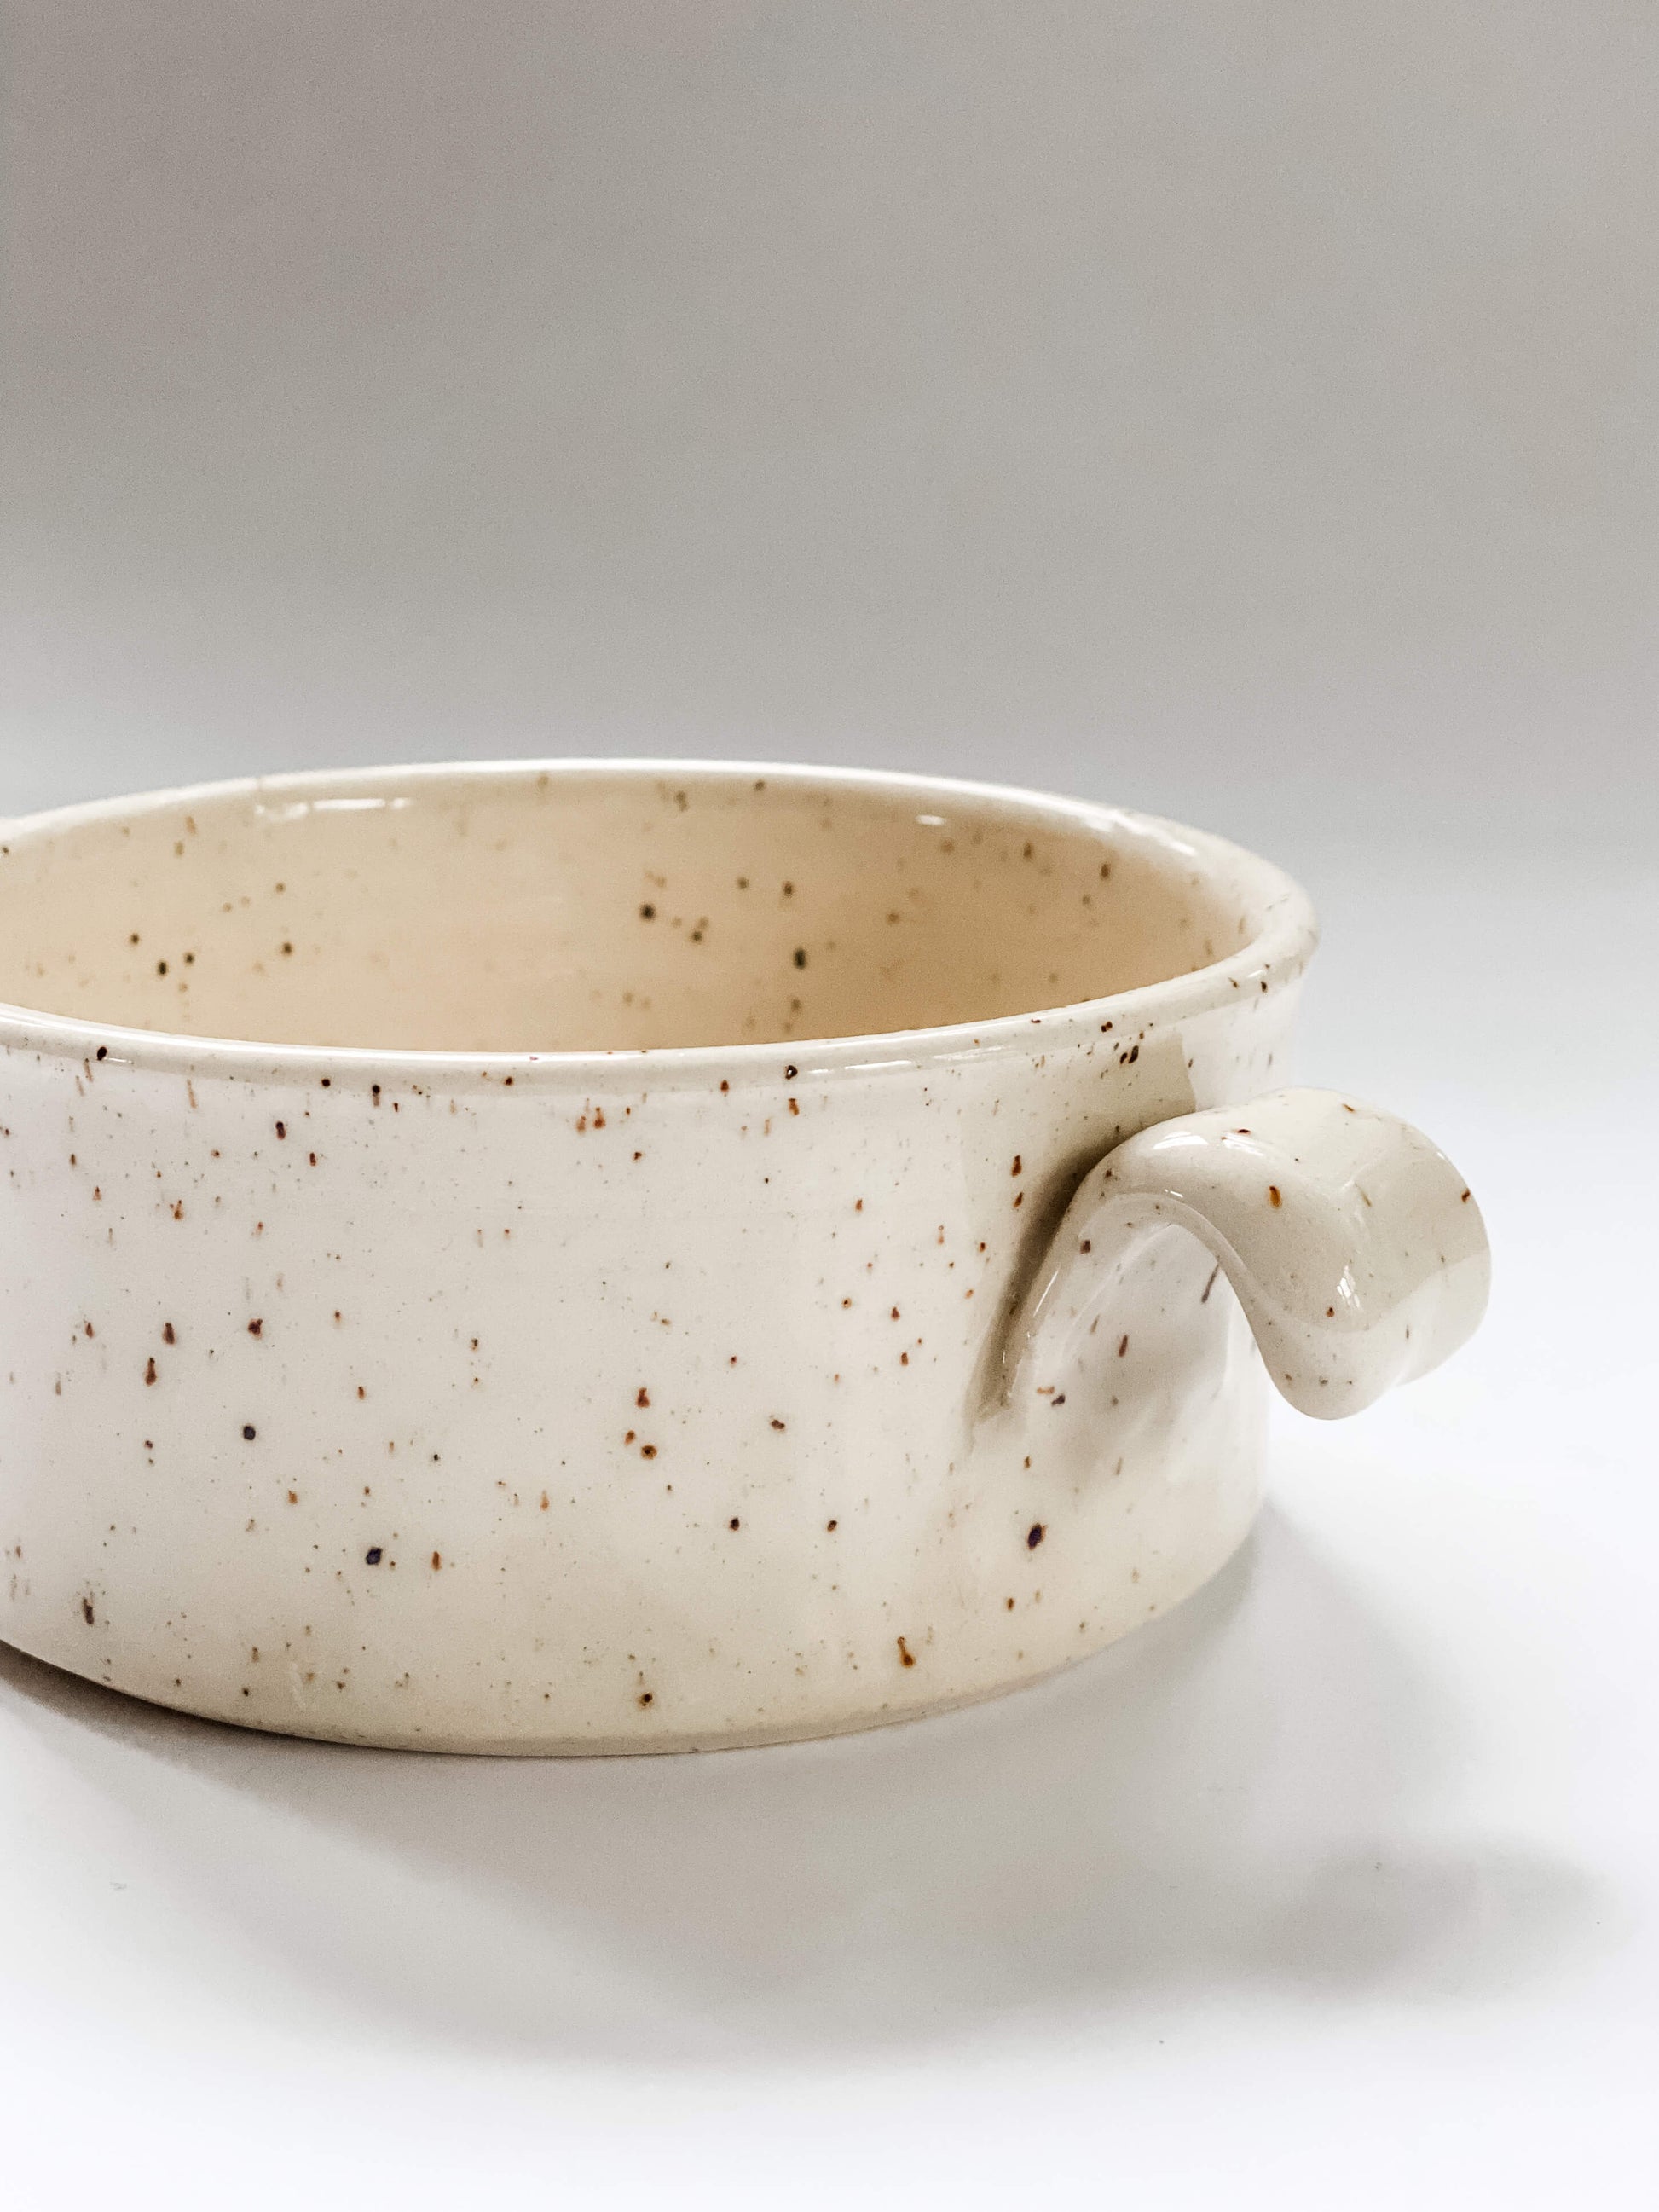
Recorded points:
907,1656
437,1561
800,956
776,1422
1035,1535
648,912
647,1451
734,1522
169,1335
790,1071
832,1526
1274,1197
1122,1346
103,1053
256,1328
645,1696
86,1611
644,1397
149,1369
1017,1167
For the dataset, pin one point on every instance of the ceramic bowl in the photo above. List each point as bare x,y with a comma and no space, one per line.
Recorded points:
628,1256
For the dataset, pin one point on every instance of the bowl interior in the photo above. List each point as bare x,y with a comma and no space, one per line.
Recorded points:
584,908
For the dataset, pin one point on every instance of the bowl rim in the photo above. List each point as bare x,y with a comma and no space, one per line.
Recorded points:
1271,959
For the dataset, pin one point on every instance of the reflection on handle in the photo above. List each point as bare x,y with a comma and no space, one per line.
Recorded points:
1353,1245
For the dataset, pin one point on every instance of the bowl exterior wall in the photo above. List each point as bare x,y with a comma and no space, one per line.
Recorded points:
507,1416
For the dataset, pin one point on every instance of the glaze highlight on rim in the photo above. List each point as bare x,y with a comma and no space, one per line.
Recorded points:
1284,940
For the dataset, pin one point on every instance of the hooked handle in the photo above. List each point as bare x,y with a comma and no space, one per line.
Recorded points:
1351,1242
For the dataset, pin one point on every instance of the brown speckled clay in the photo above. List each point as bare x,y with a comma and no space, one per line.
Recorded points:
614,1257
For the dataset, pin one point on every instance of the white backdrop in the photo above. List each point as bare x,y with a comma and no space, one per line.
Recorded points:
1245,410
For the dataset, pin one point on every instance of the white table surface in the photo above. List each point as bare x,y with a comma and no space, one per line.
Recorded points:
1335,1890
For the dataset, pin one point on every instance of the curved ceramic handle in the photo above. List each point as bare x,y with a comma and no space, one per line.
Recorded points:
1355,1249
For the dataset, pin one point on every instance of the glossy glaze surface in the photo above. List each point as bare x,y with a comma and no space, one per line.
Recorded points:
708,1393
585,910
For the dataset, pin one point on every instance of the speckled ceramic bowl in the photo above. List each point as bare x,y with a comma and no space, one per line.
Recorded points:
614,1257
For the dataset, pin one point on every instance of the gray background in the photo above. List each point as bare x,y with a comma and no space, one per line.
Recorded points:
1244,410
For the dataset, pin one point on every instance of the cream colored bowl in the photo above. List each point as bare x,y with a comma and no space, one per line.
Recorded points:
624,1257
